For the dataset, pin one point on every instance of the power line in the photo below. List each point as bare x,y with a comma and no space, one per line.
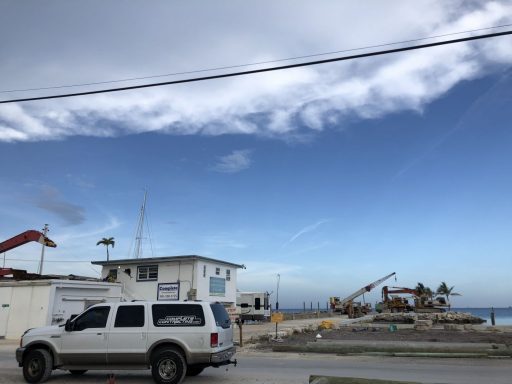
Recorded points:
251,64
263,70
51,261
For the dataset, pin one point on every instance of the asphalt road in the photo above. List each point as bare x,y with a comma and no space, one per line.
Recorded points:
294,368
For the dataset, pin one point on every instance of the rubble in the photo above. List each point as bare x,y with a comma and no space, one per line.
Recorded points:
436,318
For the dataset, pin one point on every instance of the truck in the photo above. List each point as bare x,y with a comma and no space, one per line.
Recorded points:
174,340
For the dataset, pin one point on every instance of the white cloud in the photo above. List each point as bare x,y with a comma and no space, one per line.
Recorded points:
305,230
236,161
276,104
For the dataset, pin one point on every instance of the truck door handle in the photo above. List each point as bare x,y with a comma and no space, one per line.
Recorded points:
99,333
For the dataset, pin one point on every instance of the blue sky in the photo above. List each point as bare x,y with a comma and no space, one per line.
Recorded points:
332,177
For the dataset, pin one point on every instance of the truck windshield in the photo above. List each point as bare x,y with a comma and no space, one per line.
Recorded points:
221,316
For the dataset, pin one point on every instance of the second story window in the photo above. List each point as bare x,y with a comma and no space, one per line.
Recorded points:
147,273
217,271
204,270
228,274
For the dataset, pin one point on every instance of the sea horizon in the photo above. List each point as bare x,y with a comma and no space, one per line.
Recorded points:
502,315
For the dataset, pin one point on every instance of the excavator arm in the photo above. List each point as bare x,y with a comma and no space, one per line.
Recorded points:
397,290
24,238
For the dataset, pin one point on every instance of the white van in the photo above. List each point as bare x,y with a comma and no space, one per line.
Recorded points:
173,339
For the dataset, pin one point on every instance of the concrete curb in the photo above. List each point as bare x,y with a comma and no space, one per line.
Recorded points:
313,379
400,349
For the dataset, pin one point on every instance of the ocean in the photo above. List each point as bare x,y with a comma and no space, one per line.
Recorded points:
503,316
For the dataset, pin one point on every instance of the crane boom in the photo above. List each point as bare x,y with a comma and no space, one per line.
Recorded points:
24,238
365,289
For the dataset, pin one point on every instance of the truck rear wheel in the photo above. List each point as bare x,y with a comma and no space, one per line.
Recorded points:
168,366
37,366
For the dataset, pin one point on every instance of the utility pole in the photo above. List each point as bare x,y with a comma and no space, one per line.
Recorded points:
277,293
40,270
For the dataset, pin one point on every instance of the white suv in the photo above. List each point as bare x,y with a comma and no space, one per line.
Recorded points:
174,339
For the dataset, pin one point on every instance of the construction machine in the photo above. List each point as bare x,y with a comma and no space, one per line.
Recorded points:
18,240
396,303
24,238
356,309
391,302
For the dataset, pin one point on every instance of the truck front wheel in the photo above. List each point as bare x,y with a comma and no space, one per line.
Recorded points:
37,366
168,366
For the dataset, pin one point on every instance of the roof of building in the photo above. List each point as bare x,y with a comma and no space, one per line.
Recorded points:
164,259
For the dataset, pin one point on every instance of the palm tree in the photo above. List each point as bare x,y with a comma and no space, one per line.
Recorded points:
423,292
106,242
447,291
429,293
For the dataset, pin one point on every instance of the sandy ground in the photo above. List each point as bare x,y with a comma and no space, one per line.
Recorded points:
258,335
382,334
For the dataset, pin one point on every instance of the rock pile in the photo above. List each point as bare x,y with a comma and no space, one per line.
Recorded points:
451,318
436,318
399,318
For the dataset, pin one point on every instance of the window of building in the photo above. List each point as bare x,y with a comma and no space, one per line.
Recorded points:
147,273
129,316
217,286
177,315
228,275
204,270
94,318
217,271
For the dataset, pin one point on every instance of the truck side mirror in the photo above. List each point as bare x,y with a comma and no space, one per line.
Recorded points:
68,327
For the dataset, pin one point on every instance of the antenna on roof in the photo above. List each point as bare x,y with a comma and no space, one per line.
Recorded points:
140,229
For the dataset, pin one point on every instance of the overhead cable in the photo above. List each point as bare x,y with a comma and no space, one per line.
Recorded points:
250,64
263,70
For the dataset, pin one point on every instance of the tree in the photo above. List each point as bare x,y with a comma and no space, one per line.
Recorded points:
106,242
446,291
423,292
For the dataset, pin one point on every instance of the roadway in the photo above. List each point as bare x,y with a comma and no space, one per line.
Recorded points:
287,368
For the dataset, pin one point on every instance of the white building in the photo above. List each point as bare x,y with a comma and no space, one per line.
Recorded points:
36,303
174,278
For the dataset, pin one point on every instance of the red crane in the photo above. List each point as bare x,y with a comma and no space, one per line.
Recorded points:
21,239
24,238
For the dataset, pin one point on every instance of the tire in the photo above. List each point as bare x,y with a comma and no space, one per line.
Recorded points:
37,366
168,366
194,371
77,372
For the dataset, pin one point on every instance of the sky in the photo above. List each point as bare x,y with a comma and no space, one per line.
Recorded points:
331,176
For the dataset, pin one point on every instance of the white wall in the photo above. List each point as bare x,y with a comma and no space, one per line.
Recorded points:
47,302
168,272
73,297
28,308
5,308
188,273
203,282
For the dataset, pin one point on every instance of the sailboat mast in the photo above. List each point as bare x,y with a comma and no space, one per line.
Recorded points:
140,229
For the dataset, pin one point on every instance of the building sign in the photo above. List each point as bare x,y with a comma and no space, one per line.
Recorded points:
168,291
277,317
